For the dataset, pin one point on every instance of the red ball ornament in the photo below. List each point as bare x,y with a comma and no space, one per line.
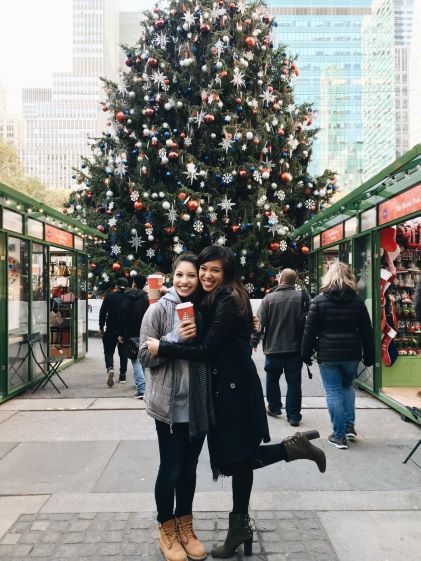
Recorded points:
243,174
284,70
223,73
93,266
285,177
107,181
274,246
149,112
183,135
116,267
89,194
250,42
209,118
304,250
247,21
281,132
170,230
235,228
286,208
152,62
138,205
160,23
173,156
100,228
148,225
192,205
182,196
205,28
120,116
109,211
232,6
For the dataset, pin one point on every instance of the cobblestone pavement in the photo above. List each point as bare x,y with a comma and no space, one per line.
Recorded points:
279,536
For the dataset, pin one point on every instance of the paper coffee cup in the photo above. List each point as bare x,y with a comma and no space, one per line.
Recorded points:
185,311
155,283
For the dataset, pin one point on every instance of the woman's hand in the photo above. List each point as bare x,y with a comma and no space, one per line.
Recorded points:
187,329
256,324
153,346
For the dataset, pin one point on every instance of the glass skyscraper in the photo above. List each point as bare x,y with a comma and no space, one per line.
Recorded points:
326,36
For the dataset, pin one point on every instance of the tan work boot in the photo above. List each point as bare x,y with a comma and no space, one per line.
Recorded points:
188,539
169,542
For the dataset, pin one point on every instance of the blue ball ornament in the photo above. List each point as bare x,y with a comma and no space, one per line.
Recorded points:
152,101
175,131
167,134
168,174
158,258
135,151
206,158
188,91
129,55
218,177
252,169
239,108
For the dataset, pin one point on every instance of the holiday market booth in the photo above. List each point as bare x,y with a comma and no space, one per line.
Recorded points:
377,229
43,291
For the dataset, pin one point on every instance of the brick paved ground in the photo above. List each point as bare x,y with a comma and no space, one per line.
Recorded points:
279,536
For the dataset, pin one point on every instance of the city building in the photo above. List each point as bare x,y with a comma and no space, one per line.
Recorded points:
414,87
379,115
12,126
60,119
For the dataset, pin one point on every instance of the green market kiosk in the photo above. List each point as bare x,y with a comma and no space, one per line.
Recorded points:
43,287
377,230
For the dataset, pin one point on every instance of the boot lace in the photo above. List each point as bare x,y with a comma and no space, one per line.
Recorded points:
185,531
170,535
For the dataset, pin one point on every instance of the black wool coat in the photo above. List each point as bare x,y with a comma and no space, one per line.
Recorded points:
240,416
338,327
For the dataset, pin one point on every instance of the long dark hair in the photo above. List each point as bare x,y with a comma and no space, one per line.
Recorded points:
232,278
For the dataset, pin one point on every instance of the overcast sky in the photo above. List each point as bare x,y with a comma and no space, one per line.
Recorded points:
35,41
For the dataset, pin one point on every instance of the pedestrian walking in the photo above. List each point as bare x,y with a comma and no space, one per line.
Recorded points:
240,417
109,326
178,398
133,308
338,326
282,316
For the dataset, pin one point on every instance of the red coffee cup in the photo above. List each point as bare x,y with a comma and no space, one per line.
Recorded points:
155,283
185,311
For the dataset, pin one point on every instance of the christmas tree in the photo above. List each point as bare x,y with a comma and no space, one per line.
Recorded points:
205,146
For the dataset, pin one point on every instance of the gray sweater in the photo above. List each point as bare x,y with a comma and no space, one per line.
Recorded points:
167,380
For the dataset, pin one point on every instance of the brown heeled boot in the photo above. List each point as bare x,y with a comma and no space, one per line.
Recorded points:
188,539
299,447
169,542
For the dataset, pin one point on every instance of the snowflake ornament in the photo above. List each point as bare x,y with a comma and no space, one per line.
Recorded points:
111,205
250,287
213,217
257,176
187,142
227,178
120,167
283,246
189,18
161,41
243,260
136,242
172,215
159,79
134,195
249,56
178,248
280,195
115,249
198,226
112,222
191,172
162,153
226,205
222,240
238,78
121,87
309,203
267,97
199,119
241,7
149,231
226,144
220,47
150,253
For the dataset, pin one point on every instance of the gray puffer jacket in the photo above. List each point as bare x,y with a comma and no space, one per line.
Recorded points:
164,377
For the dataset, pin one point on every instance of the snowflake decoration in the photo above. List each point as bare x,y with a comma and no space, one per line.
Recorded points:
272,229
293,142
115,249
189,18
226,144
120,167
244,147
299,205
280,195
149,231
112,222
227,178
309,203
241,7
220,47
198,226
161,41
213,217
191,172
218,12
249,56
278,275
238,78
134,195
150,253
146,86
187,142
121,87
250,287
199,118
243,260
222,240
178,248
267,97
257,176
111,205
136,242
172,215
158,78
162,153
105,277
218,80
226,205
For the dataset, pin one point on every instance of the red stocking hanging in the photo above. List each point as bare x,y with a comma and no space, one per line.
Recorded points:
389,350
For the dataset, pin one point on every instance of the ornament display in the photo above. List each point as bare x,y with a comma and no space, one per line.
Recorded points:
116,267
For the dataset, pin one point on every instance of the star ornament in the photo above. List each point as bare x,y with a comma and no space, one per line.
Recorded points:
136,242
226,205
172,215
191,172
189,18
238,78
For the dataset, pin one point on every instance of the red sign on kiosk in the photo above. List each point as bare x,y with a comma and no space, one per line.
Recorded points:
55,235
333,234
401,205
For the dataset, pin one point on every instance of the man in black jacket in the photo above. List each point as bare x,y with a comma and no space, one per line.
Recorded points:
110,318
282,316
133,308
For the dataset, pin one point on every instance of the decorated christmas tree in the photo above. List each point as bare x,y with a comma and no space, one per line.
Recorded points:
204,146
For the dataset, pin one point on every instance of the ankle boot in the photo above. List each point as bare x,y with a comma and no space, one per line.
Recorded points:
188,539
169,543
298,447
239,532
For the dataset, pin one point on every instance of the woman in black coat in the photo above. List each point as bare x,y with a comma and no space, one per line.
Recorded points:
338,327
240,416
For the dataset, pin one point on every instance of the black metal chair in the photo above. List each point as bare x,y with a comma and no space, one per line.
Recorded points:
16,362
48,365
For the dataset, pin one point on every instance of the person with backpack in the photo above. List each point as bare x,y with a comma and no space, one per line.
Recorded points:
133,308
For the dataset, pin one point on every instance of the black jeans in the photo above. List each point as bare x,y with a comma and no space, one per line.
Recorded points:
109,340
292,366
177,470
